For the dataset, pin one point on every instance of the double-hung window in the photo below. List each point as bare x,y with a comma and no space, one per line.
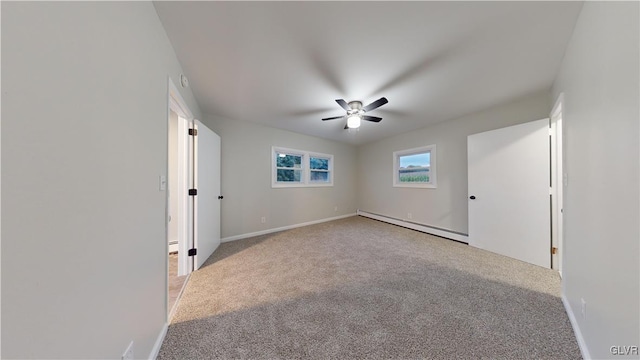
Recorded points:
319,169
289,167
297,168
415,167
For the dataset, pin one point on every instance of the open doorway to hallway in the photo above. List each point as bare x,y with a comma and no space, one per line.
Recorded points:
177,279
558,181
179,218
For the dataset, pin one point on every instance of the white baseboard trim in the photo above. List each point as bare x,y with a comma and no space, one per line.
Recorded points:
419,227
288,227
156,347
584,350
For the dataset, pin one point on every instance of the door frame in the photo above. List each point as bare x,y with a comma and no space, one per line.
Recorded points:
176,103
557,182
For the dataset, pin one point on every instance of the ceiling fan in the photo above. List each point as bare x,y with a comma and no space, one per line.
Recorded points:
355,112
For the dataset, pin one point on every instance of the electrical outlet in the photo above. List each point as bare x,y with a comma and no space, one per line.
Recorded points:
409,216
584,309
263,219
128,354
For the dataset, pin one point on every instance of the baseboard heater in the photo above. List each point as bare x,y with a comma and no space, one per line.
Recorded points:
449,234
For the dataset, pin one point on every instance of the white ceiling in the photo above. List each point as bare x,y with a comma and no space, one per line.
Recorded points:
283,64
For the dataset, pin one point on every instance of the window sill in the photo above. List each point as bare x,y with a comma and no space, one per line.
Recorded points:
420,186
280,186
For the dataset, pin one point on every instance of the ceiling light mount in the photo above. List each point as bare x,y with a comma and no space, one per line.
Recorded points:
355,105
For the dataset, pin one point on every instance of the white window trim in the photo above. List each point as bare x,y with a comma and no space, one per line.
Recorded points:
306,168
432,184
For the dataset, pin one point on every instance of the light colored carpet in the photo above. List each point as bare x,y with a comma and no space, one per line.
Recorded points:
360,288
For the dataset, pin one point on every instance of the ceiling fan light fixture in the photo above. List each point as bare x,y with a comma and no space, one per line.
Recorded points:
353,121
356,112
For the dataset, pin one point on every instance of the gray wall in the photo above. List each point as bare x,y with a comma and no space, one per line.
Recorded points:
84,140
246,179
599,78
445,206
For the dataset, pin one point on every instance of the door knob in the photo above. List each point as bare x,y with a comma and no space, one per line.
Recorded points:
472,197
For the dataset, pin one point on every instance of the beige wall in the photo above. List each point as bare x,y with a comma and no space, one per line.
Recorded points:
246,179
446,206
84,141
600,81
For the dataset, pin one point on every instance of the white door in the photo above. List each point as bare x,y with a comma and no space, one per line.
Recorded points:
207,204
509,203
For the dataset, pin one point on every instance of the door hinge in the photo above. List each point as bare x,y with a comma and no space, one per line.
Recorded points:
554,250
193,132
193,252
193,192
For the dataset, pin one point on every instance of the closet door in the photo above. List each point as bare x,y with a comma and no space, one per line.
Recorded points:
509,203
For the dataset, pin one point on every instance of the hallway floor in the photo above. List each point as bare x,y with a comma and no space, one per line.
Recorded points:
175,282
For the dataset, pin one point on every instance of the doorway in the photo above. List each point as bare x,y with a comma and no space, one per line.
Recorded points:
179,218
176,218
557,184
193,168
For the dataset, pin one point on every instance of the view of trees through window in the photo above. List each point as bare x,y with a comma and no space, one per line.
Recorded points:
415,167
319,169
289,167
298,168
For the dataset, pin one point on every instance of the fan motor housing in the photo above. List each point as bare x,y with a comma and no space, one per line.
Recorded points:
356,107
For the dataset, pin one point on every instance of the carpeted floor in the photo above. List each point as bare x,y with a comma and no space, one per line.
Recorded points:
359,288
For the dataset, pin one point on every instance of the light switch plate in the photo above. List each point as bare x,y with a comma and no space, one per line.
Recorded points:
163,183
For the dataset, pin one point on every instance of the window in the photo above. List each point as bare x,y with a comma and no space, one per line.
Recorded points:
297,168
288,167
415,167
319,169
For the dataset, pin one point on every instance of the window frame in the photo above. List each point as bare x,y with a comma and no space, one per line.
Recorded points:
305,168
432,184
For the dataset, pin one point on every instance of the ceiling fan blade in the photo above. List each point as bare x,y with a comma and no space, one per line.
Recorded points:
371,118
376,104
343,104
333,118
